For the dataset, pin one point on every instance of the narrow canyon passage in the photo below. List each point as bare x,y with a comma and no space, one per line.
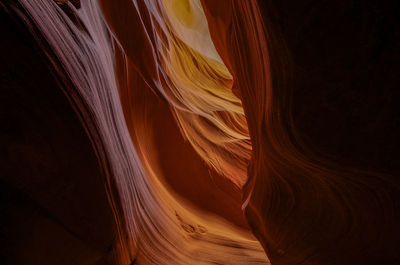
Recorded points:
200,132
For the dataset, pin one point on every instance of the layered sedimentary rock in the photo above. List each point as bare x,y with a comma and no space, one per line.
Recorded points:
188,109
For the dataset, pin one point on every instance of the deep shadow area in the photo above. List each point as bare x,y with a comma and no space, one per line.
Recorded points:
344,64
53,204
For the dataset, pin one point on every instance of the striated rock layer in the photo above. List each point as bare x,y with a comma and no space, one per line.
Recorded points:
188,108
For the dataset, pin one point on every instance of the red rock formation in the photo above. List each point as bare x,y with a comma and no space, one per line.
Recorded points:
304,209
187,106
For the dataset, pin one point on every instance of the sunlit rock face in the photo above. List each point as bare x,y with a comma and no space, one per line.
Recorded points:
187,107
